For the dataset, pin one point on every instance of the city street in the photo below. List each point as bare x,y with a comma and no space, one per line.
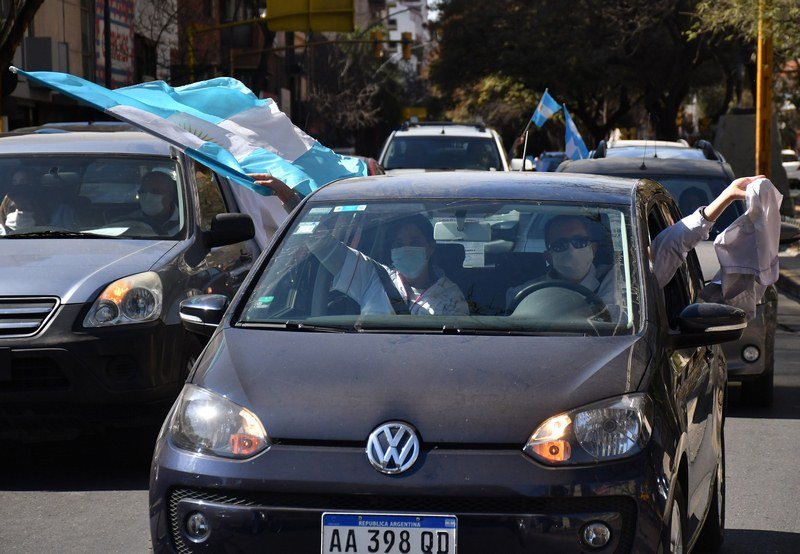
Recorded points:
90,495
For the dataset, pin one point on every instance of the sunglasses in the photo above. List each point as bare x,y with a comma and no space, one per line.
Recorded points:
561,245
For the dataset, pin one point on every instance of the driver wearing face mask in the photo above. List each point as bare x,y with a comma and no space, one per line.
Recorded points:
572,243
158,204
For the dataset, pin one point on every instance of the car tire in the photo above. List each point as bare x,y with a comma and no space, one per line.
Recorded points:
760,391
712,534
677,523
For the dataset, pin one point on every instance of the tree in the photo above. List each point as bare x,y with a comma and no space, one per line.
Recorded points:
15,16
601,57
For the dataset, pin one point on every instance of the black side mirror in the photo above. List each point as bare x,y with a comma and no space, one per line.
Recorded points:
202,314
229,229
708,323
789,233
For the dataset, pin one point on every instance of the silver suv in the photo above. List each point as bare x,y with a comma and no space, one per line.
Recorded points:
432,146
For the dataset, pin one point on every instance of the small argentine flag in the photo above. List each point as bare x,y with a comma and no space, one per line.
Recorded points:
220,123
573,143
545,110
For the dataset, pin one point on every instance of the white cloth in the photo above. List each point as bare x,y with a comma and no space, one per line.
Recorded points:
267,212
356,275
748,250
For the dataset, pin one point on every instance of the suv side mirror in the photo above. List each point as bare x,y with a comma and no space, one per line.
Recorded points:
516,165
229,229
708,323
201,314
789,233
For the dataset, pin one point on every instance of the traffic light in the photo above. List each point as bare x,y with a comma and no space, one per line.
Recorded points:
406,42
377,44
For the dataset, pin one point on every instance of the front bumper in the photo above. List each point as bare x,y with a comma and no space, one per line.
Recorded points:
67,378
504,501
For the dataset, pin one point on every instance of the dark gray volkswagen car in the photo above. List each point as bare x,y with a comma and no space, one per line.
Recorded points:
90,285
495,410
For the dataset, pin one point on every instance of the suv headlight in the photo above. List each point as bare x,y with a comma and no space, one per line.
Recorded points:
133,299
208,423
606,430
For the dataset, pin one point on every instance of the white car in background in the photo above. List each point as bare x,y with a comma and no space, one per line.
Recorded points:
443,146
791,163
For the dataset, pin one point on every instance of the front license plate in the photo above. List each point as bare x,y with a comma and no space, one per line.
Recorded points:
388,534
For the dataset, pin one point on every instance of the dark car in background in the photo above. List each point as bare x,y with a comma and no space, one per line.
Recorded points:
314,423
694,179
90,335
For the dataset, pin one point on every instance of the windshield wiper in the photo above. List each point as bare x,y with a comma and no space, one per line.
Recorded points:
298,326
54,234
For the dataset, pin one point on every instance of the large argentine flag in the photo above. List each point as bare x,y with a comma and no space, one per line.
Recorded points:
573,142
219,123
545,110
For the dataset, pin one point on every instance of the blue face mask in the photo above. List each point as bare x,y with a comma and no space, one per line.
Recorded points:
410,261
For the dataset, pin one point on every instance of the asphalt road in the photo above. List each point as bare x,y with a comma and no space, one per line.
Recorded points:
90,495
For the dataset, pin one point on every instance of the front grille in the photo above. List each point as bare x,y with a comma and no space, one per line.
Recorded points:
22,317
414,504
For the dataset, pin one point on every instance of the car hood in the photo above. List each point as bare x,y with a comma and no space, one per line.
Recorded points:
72,269
476,389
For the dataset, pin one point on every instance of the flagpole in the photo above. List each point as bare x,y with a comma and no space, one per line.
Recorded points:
524,148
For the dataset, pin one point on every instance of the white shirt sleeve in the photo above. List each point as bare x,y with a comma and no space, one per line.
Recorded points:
670,247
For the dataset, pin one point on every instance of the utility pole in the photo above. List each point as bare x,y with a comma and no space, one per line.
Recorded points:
763,92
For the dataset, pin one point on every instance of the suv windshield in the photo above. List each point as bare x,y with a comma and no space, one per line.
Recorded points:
91,195
445,267
442,152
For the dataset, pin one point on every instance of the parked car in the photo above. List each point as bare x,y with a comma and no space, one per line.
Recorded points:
312,421
443,145
694,183
791,163
90,335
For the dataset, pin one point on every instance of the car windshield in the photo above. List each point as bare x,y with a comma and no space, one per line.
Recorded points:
692,192
651,152
442,152
91,195
464,267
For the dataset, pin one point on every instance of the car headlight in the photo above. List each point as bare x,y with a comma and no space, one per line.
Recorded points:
133,299
208,423
606,430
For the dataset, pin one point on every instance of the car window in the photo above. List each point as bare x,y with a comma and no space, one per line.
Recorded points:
680,291
691,192
210,195
651,152
112,196
359,266
442,152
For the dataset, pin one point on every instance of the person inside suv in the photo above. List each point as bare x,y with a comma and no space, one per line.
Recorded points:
158,212
24,205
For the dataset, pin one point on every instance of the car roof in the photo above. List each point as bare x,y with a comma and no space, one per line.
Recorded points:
123,142
452,129
487,185
648,143
633,167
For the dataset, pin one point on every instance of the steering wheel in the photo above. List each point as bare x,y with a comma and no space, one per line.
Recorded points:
595,303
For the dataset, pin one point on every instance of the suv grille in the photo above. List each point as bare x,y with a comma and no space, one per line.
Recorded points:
21,317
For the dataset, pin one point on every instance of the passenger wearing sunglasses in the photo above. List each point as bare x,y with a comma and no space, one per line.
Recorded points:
572,242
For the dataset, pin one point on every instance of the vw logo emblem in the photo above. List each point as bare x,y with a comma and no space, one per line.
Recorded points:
393,447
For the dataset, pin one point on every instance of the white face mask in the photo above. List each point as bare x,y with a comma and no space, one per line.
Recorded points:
410,261
20,220
151,203
573,263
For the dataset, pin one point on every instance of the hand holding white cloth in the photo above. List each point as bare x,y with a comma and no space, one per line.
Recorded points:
748,250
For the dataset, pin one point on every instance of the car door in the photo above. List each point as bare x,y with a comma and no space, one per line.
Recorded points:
691,371
225,266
